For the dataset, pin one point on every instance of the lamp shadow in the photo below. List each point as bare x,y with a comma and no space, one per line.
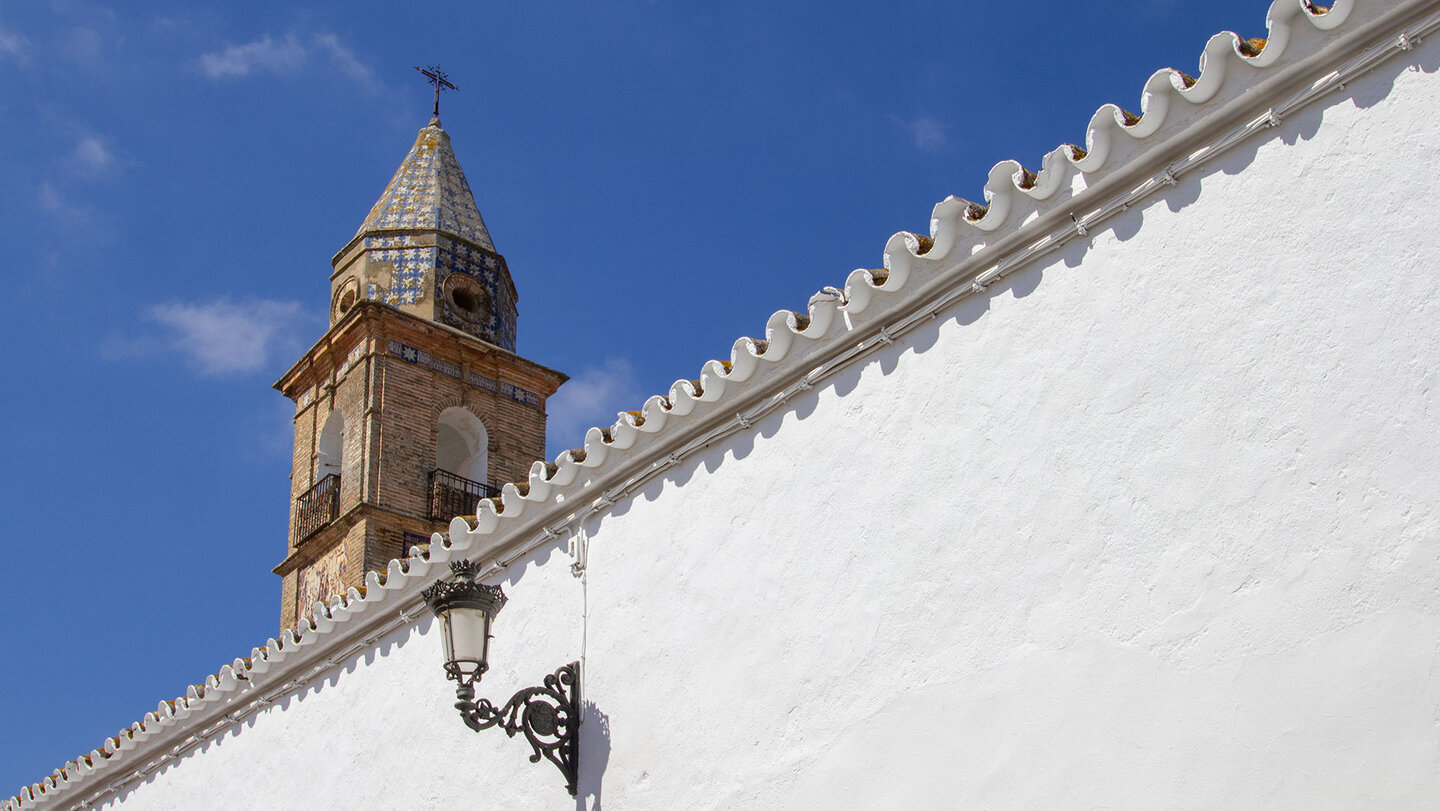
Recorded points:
594,756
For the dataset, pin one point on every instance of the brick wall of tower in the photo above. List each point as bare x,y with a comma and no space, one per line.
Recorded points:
350,398
345,390
307,427
385,534
524,442
391,376
412,397
288,586
335,380
407,447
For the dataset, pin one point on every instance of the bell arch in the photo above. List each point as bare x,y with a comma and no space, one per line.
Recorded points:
330,448
462,445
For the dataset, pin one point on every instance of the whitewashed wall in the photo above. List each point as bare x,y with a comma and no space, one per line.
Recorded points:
1151,526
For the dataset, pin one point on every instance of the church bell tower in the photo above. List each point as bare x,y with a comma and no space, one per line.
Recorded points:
413,406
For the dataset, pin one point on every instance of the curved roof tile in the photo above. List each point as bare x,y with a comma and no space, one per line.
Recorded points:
1014,196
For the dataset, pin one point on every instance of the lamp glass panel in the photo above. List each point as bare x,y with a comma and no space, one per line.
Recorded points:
467,637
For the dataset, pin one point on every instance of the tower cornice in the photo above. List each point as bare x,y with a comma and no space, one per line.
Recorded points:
400,324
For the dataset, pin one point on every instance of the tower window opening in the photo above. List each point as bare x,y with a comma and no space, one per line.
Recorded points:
462,445
330,449
462,459
318,506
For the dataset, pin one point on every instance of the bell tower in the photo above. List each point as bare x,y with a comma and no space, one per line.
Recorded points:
413,406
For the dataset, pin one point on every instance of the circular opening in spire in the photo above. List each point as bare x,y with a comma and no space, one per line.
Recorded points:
466,301
345,299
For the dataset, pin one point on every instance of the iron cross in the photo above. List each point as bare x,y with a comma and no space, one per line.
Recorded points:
436,77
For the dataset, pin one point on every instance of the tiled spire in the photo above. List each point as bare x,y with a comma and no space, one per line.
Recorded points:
425,249
429,191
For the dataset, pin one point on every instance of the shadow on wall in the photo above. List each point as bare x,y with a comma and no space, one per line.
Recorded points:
594,756
1299,126
595,729
283,702
535,558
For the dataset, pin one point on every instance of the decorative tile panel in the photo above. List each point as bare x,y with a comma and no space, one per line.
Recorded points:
407,280
409,353
410,540
498,325
353,358
518,394
480,381
445,367
429,190
420,357
320,580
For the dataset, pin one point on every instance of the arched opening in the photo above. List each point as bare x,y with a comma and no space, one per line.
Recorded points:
318,506
331,447
462,445
462,463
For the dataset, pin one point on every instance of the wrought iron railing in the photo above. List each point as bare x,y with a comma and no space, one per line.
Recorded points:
317,507
452,495
410,540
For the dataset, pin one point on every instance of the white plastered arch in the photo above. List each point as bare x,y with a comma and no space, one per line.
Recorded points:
462,444
330,449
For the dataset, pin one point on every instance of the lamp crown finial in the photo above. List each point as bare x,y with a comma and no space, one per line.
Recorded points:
467,569
464,591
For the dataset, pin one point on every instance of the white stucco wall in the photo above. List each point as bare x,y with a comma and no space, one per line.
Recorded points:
1152,525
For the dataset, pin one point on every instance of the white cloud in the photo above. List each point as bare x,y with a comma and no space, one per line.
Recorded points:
271,431
591,398
14,46
91,156
927,131
225,337
265,54
344,59
52,202
49,198
287,56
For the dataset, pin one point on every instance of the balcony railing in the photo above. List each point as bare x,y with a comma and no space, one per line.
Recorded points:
317,507
410,540
452,495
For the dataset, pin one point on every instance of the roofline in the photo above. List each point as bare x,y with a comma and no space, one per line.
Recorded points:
798,350
370,308
381,232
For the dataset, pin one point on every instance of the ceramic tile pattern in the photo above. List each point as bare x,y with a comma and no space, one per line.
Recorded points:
480,381
485,267
407,281
429,191
420,357
353,358
321,579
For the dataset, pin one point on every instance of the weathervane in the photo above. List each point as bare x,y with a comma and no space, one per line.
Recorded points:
436,77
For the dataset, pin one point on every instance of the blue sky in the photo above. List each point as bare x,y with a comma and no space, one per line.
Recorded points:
661,176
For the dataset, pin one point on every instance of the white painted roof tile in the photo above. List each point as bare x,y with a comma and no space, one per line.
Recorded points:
1022,209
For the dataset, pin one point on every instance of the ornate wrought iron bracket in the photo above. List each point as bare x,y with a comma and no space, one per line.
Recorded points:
548,715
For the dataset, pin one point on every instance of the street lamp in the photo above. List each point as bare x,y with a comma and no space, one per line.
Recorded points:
549,715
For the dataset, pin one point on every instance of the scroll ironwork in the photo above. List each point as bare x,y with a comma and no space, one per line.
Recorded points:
549,717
